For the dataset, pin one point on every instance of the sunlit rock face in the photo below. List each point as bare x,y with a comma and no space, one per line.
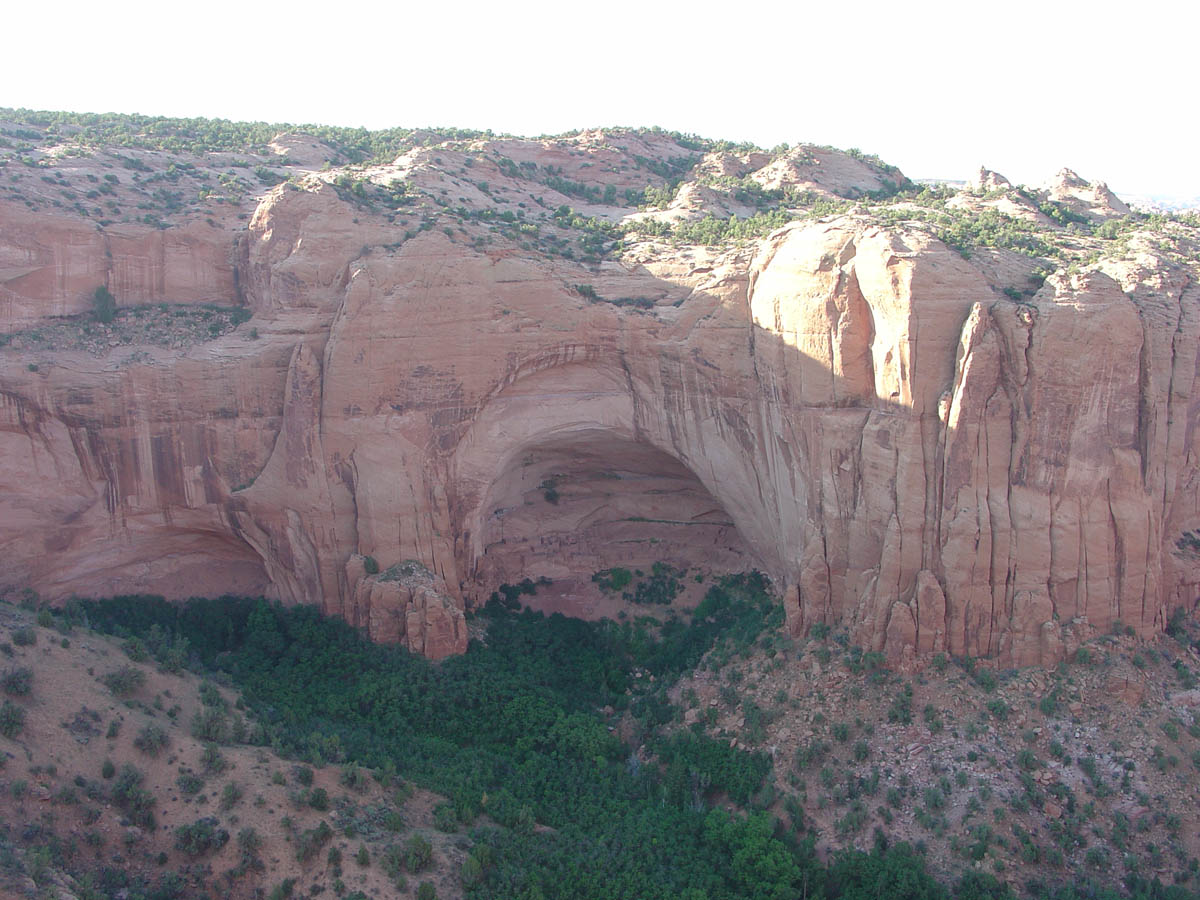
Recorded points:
855,410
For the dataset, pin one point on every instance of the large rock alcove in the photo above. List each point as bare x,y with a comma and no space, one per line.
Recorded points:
589,498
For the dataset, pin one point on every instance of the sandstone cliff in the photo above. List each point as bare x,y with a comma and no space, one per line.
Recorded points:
455,375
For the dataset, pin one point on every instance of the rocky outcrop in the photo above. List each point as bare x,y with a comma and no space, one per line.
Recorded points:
827,172
986,180
1092,200
405,605
856,410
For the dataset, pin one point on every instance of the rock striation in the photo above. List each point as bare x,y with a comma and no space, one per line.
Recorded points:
851,406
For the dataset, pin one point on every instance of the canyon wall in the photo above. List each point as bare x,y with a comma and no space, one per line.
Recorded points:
855,409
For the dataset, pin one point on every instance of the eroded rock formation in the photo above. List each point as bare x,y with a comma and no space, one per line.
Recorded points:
855,409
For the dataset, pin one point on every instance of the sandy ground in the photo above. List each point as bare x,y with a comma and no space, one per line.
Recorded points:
65,742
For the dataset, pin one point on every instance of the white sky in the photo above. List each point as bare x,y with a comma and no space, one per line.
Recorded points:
936,88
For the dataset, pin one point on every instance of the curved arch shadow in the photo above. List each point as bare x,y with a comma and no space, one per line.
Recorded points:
557,481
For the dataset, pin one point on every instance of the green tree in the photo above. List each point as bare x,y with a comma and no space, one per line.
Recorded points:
104,305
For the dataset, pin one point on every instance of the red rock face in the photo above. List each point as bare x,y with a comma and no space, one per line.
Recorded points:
856,411
51,264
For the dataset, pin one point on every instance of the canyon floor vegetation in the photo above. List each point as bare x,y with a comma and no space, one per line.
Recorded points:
235,742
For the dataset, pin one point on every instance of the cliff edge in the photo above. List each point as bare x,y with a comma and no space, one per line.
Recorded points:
957,422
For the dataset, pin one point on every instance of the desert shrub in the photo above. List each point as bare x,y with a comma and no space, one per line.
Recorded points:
129,795
124,680
392,861
472,871
444,818
811,753
135,649
250,843
202,836
549,489
998,708
18,682
318,799
418,853
174,657
211,724
854,819
151,740
354,778
426,891
986,679
1187,678
12,719
24,636
104,305
311,840
212,760
661,587
210,695
386,773
1049,703
900,710
1088,765
230,795
108,769
239,731
189,784
612,579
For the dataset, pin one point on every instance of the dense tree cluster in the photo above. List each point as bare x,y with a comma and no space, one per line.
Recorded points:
199,135
517,729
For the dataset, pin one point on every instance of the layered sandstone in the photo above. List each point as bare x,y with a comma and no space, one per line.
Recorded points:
855,409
